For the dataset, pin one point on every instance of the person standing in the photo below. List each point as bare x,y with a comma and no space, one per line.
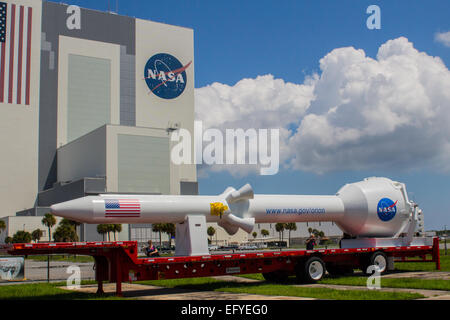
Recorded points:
151,250
311,242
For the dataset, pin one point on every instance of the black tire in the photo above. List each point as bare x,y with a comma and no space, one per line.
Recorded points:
378,259
268,276
312,270
335,270
276,276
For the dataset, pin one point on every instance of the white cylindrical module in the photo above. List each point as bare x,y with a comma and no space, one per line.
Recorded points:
375,207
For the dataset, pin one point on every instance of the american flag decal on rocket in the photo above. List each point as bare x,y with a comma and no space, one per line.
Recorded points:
122,208
15,53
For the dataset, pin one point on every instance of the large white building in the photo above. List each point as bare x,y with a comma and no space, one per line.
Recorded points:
88,101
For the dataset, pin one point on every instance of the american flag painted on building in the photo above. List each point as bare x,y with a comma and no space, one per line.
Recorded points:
126,208
15,53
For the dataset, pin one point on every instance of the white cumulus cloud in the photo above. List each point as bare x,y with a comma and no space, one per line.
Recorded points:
260,103
359,113
443,37
263,102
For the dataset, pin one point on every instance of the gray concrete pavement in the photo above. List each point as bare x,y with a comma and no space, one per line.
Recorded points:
145,292
429,294
438,275
37,270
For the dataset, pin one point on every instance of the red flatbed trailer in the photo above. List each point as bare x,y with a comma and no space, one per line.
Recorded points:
118,261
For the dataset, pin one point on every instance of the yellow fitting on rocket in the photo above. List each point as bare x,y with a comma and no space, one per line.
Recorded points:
218,208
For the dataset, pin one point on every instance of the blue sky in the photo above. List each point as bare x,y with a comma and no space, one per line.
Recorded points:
244,39
238,39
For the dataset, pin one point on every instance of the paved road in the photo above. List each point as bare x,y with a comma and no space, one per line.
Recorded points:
144,292
37,270
438,275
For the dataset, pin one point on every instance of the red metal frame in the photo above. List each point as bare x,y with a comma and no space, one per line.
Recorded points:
118,261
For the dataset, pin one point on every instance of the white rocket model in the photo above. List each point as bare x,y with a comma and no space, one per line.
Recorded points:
375,207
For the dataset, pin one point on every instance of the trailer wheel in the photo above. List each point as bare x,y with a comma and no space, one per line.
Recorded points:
311,271
378,259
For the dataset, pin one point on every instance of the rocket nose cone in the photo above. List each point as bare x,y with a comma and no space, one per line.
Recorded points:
58,210
79,209
54,209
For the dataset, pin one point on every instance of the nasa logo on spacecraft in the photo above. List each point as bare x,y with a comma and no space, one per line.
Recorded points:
386,209
165,75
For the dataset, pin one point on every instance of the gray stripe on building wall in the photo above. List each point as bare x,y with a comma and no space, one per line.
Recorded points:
95,25
127,88
47,46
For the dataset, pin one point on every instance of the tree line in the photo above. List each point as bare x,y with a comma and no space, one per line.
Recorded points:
67,231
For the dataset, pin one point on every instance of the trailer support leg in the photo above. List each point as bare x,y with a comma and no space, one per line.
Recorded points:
100,287
436,253
118,276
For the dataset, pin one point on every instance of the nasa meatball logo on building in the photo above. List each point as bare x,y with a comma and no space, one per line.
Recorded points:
165,75
386,209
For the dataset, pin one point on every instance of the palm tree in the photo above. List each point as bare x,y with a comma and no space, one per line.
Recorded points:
265,232
36,235
102,229
72,223
158,227
254,234
170,229
116,228
279,227
2,226
291,226
211,232
21,237
109,229
49,221
65,233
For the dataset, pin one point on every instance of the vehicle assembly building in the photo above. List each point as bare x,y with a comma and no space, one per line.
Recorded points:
88,100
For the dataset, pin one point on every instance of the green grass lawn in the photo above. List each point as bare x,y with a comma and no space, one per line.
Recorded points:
264,288
46,291
52,291
425,266
411,283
